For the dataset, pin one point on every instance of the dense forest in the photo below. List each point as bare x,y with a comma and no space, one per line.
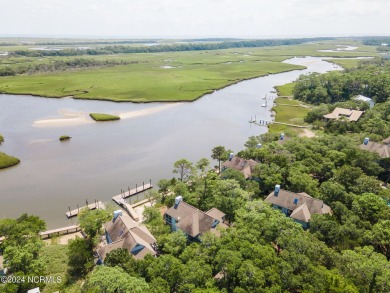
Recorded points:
165,48
263,250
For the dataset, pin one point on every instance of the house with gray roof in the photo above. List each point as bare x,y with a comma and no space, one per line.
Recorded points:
365,99
246,167
298,206
123,232
382,149
192,221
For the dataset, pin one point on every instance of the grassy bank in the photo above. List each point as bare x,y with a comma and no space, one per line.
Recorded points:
7,161
285,89
346,63
103,117
169,76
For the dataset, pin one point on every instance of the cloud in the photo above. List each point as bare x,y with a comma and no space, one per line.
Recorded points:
194,18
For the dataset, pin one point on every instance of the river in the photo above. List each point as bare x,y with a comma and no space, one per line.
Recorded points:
103,158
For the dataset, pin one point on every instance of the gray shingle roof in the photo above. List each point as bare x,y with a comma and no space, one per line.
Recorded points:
245,166
126,233
302,205
191,220
382,149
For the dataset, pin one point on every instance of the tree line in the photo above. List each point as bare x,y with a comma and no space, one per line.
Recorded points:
60,65
165,48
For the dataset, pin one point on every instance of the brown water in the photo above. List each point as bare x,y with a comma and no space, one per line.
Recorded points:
103,158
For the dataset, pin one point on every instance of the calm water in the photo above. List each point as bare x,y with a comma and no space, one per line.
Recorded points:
103,158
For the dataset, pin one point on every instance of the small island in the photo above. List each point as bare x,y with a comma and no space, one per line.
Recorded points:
103,117
7,161
1,139
65,137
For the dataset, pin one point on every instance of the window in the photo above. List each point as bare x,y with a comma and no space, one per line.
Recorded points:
295,200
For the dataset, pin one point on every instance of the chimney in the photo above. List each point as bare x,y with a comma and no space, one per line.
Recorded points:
259,145
366,140
281,136
178,199
277,189
231,155
117,213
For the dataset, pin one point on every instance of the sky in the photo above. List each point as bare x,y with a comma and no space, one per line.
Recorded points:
194,18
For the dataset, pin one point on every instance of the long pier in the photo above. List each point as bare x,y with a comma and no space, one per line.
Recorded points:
92,206
60,231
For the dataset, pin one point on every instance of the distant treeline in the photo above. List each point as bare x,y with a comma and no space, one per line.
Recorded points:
376,41
166,48
60,65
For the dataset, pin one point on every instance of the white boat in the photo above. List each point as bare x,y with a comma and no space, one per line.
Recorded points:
264,105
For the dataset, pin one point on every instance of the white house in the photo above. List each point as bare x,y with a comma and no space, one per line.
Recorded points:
365,99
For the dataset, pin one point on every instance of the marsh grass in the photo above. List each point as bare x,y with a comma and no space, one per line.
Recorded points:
103,117
7,161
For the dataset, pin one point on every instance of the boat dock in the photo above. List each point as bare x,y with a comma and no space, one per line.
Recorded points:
120,198
92,206
59,231
130,192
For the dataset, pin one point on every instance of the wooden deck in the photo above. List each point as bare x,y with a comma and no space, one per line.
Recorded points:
60,231
92,206
127,207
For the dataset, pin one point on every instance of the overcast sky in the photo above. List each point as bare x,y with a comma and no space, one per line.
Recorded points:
194,18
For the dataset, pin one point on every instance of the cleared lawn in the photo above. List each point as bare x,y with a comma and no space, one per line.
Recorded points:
288,114
7,161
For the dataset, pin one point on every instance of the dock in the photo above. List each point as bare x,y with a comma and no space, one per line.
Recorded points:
135,191
59,231
120,198
92,206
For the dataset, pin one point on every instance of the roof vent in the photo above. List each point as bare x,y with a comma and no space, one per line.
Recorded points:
281,136
117,213
366,140
178,199
231,155
277,189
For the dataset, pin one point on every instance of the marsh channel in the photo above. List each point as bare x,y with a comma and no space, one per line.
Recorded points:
103,158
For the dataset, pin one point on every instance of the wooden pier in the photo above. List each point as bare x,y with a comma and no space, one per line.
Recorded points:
135,191
120,198
59,231
92,206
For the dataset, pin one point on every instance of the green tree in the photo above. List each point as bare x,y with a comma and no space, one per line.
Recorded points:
202,164
184,168
114,280
368,270
91,221
369,207
80,258
219,153
122,258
